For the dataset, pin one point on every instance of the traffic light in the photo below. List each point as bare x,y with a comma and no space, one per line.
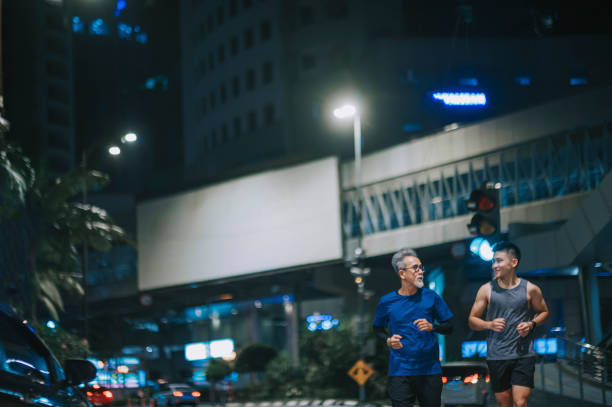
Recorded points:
485,202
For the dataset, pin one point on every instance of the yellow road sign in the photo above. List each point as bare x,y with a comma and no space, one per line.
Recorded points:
360,372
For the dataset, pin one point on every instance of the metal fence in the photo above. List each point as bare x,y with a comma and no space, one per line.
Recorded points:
578,370
552,166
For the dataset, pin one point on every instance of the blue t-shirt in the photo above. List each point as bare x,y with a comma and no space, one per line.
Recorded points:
419,354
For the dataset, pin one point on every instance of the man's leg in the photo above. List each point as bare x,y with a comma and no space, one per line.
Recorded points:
520,394
500,372
401,391
504,398
522,380
429,390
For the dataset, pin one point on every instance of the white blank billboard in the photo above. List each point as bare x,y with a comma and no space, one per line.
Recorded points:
273,220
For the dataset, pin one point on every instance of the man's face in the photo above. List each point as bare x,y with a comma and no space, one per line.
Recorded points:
412,273
503,264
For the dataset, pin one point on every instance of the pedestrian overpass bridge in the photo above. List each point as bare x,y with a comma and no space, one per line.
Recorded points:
549,159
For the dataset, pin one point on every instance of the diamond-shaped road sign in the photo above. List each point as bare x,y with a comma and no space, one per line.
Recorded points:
360,372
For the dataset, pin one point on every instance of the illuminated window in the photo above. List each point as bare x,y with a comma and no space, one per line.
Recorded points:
578,81
124,31
98,27
523,80
468,81
141,38
78,26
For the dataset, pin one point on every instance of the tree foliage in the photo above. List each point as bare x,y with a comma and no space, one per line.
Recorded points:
217,370
57,223
254,358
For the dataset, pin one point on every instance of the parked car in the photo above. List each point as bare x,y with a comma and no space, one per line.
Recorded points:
29,373
99,395
465,383
175,394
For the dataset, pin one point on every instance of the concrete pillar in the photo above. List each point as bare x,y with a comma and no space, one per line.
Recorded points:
291,317
589,301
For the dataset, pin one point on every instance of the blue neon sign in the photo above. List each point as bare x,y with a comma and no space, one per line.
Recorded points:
461,98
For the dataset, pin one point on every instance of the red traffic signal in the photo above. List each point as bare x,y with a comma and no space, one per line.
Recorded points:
485,202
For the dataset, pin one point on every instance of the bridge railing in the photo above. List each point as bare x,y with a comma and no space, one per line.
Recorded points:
579,370
554,165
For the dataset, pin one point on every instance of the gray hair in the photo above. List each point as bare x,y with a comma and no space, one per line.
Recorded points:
397,261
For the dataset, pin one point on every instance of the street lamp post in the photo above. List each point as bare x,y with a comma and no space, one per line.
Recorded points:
357,269
113,150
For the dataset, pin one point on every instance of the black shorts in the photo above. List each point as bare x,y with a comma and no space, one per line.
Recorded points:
511,372
405,390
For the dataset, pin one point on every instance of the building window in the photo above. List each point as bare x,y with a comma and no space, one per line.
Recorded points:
250,79
252,120
247,3
222,93
248,38
220,15
234,45
212,99
266,30
224,133
233,8
211,23
268,114
237,127
203,103
211,61
202,31
337,9
268,72
213,139
221,53
306,15
236,86
308,62
579,81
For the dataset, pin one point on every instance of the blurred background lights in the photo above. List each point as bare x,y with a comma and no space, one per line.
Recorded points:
114,150
51,324
481,247
461,98
345,111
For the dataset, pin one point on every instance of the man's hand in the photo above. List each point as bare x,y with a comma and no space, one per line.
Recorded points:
423,325
524,328
497,325
394,342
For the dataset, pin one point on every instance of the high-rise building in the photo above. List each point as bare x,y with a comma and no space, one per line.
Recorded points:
38,92
260,78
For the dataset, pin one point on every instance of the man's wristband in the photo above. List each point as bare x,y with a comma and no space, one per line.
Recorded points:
534,325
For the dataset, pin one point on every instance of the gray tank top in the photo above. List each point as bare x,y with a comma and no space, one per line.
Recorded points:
513,307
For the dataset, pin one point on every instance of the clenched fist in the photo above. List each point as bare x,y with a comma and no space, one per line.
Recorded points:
394,342
497,325
524,328
423,325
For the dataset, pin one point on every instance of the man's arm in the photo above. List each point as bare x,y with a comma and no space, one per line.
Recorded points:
539,306
444,327
475,320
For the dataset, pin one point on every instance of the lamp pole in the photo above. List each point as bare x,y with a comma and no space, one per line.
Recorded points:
113,150
357,268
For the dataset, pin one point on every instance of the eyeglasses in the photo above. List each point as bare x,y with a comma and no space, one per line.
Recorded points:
415,268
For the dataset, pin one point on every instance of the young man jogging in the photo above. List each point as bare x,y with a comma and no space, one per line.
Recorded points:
410,312
514,308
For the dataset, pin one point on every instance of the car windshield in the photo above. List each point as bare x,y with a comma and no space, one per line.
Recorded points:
181,388
463,371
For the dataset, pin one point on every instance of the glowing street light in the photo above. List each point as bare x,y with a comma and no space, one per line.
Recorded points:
129,138
114,150
345,111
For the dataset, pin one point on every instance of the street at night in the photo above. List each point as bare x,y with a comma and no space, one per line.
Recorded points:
305,203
